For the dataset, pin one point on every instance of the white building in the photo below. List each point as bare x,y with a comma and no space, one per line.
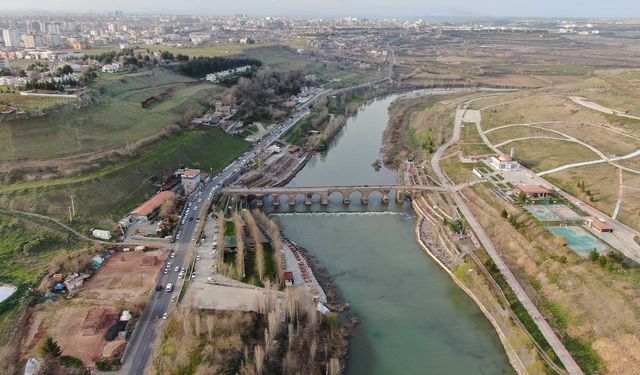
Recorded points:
13,81
102,234
11,38
191,179
505,162
215,77
111,68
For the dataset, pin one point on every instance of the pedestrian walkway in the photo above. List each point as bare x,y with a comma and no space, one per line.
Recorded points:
297,264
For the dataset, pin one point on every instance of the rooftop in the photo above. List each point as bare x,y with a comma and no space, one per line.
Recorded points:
154,202
533,189
505,157
190,173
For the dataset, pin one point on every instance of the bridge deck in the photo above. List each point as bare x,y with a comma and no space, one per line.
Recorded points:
237,190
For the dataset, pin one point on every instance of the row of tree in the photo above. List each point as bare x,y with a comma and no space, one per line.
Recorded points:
48,85
201,66
166,55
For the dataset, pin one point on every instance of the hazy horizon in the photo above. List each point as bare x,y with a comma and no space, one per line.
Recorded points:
341,8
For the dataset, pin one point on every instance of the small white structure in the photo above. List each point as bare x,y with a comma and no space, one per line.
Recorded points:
505,162
102,234
110,68
33,366
126,316
215,77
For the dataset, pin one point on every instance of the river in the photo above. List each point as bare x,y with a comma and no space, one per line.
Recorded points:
414,319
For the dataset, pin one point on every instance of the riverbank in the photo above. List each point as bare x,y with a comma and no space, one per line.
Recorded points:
438,255
375,263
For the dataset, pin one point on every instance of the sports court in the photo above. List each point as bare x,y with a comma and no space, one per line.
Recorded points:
553,212
579,240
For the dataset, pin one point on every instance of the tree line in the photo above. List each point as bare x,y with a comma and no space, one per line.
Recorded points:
201,66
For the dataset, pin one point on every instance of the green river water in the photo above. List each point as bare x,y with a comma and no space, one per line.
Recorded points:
414,319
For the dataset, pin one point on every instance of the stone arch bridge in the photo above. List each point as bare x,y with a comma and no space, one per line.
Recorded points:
323,192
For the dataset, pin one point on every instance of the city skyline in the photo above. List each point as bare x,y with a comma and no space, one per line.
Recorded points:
377,9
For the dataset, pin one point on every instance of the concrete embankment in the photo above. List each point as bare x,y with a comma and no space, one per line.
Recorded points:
442,260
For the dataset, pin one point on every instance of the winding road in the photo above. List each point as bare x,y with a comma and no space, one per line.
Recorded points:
544,327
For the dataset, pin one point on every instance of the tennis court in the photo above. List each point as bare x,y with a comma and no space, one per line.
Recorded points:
579,240
553,212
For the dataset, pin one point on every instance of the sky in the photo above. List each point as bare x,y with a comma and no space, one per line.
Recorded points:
340,8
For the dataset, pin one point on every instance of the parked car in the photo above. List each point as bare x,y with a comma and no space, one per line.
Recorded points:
165,316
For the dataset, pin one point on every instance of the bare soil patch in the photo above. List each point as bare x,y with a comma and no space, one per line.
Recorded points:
79,324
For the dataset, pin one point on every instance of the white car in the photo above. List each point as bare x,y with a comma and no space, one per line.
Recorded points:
173,255
165,316
176,269
198,257
193,275
180,275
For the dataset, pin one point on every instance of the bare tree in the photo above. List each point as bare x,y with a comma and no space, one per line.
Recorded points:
254,231
167,207
237,221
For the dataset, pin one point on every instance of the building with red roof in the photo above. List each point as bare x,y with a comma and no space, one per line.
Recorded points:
151,208
534,191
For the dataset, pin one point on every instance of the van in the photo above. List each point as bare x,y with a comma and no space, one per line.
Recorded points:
169,287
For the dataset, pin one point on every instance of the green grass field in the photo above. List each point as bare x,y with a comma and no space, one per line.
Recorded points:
29,103
192,96
542,154
112,123
115,189
218,49
124,82
27,250
72,131
281,59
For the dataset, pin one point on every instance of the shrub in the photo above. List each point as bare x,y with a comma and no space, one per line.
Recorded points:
68,361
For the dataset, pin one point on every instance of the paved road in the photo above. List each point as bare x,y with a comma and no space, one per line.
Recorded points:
140,347
139,350
568,362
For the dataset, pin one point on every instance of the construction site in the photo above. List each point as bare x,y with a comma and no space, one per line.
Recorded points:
92,322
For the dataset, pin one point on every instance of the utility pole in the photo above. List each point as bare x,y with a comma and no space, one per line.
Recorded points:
73,206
